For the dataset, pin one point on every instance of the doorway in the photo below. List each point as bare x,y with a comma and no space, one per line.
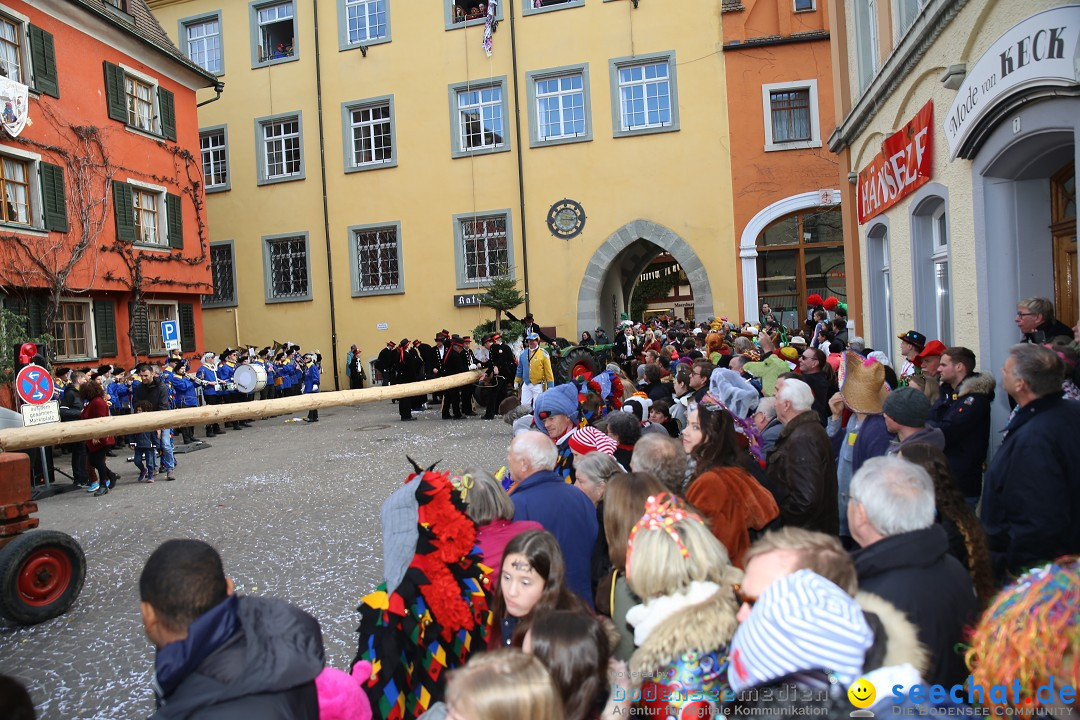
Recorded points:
1063,231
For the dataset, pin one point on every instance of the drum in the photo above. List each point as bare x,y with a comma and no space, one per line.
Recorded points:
250,378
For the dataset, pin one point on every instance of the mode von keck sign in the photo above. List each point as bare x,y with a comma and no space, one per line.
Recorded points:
1041,51
901,166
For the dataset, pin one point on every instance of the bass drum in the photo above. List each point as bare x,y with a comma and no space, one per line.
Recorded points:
250,378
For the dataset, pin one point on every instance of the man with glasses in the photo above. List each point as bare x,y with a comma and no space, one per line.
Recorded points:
700,373
1035,318
812,371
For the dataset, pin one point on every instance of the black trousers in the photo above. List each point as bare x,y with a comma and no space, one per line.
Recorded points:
451,403
495,396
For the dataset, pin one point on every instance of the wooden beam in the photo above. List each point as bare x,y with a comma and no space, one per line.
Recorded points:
79,430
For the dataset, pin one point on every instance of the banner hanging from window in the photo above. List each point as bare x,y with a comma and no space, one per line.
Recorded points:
14,106
902,166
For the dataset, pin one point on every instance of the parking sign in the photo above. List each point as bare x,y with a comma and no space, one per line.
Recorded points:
170,334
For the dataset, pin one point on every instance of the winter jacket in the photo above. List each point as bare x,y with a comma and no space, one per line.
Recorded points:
119,394
1047,332
804,473
71,404
770,435
184,391
733,503
963,415
927,436
248,657
569,515
684,660
1031,494
915,572
311,379
823,390
873,441
154,392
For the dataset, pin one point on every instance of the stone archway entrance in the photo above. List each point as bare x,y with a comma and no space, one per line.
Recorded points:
614,268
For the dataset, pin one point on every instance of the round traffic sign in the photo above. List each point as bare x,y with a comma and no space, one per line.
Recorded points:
34,384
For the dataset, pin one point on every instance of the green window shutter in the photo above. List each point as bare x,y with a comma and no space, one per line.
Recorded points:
53,197
167,108
105,328
175,219
36,312
115,94
186,313
125,212
140,328
43,58
17,306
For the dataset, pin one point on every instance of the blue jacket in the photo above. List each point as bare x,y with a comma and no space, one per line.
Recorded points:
184,390
225,372
209,377
569,515
120,394
311,379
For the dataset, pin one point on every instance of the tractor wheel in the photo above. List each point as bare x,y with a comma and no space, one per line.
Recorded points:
41,575
574,363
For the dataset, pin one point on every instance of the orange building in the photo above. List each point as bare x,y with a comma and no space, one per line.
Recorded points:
780,109
103,224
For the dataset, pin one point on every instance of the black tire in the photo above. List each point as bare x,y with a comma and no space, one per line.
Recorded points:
41,574
580,358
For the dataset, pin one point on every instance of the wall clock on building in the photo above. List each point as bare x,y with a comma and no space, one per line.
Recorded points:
566,219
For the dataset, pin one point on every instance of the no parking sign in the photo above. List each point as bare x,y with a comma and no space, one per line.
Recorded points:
34,385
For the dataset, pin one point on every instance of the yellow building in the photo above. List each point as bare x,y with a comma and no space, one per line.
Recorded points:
369,163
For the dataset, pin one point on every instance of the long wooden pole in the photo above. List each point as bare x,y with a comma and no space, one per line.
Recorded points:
78,430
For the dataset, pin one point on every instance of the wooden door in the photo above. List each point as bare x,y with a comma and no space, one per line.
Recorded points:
1063,229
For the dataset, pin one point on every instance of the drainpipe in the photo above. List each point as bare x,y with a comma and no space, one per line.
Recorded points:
325,205
520,154
219,87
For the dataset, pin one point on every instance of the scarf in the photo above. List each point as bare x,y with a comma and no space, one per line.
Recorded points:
648,616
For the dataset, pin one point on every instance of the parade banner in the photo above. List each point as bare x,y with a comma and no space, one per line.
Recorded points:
903,165
13,106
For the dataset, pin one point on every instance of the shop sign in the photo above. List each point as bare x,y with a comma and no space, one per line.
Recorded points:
904,164
474,300
1040,51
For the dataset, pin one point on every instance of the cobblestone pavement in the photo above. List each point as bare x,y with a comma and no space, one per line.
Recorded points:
293,509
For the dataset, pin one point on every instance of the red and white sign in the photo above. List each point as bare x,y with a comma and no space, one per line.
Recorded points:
34,384
903,165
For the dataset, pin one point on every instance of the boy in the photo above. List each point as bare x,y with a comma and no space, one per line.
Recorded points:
145,444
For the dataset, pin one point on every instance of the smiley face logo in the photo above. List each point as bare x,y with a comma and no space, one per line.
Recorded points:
862,693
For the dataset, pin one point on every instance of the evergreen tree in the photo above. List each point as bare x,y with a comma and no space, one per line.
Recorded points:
502,294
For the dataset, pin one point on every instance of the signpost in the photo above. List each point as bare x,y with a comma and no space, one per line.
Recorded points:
34,385
170,334
40,414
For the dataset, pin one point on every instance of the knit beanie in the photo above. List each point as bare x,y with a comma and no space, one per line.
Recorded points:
588,439
559,400
907,406
801,622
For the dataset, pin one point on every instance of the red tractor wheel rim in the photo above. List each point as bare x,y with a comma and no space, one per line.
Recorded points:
44,577
580,369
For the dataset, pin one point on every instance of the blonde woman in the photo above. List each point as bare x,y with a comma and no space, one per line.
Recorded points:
687,617
503,684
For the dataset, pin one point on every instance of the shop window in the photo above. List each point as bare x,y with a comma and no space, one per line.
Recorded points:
369,134
799,255
273,33
930,255
479,117
532,7
791,115
287,268
646,94
376,257
214,146
223,275
484,247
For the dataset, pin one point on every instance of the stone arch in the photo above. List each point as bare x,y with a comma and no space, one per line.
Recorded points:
630,249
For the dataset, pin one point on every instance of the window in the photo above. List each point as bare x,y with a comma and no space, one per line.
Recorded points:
281,150
223,276
559,100
287,268
906,13
484,247
880,276
791,115
15,188
137,100
157,313
799,255
11,63
478,114
804,5
31,63
73,330
363,22
214,145
532,7
866,42
146,216
375,251
932,277
369,134
121,5
202,38
273,28
462,13
646,95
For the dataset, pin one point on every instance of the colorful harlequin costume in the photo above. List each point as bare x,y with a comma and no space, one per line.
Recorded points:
431,610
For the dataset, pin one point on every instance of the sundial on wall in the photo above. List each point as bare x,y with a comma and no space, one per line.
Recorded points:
566,219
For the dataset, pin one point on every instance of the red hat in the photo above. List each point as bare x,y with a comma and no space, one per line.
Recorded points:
588,439
934,348
495,337
416,342
391,344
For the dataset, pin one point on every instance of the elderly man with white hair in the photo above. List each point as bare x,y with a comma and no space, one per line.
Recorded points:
541,494
802,467
905,559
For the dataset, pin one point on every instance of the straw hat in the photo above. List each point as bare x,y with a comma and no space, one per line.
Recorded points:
862,383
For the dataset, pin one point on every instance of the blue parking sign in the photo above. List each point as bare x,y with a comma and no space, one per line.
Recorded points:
170,334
